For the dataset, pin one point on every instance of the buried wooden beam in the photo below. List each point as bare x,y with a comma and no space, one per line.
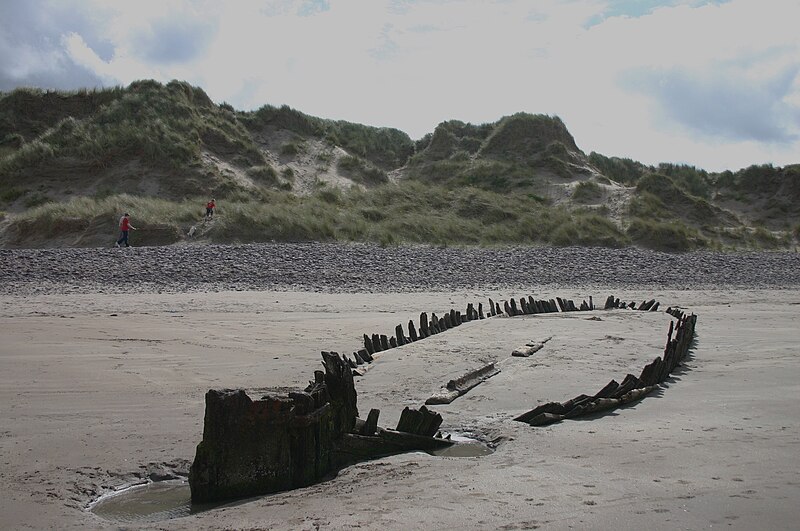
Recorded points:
461,385
529,348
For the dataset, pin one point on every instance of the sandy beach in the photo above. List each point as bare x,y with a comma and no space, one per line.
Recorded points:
100,391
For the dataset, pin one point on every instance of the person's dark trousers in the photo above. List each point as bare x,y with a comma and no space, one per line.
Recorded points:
123,239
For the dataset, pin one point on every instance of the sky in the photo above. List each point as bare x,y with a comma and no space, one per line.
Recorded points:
711,83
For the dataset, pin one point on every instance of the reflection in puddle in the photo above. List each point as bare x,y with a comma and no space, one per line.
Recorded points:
152,502
464,447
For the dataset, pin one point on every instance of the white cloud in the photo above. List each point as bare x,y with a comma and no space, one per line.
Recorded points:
634,79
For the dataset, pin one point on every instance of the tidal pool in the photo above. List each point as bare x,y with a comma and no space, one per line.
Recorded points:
151,502
464,447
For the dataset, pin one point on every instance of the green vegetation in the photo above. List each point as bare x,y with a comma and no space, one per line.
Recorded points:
669,236
164,126
361,171
660,197
265,175
383,147
291,149
521,179
9,194
388,214
587,192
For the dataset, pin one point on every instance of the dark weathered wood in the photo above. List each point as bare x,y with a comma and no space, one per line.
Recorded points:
480,311
419,422
384,342
368,345
393,342
365,355
423,323
398,333
550,407
608,390
412,332
371,424
376,343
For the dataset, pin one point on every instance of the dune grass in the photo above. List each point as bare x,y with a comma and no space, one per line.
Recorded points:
388,214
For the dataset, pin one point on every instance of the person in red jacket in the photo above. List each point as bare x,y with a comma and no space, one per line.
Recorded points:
210,206
124,227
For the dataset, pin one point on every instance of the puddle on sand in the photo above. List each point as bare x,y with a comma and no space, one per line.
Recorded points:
464,447
164,500
151,502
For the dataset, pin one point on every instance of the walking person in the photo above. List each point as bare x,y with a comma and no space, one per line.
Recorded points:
124,227
210,206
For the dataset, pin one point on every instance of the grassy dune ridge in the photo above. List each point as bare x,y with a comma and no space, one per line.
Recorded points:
72,162
389,214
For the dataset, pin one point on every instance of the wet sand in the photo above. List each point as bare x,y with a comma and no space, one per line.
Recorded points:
99,391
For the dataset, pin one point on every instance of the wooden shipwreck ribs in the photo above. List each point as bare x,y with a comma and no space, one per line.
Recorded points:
253,447
632,388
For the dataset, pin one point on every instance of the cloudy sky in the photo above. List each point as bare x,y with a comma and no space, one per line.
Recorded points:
712,83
